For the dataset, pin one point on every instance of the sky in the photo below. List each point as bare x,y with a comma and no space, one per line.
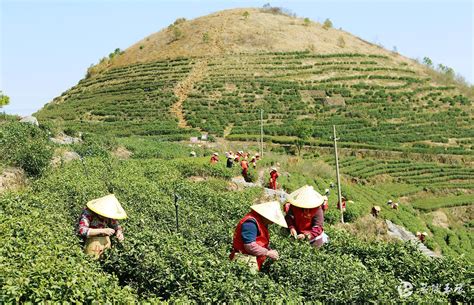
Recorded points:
46,46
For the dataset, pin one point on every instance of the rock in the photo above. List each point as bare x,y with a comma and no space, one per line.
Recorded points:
65,157
405,235
12,178
122,153
30,120
63,139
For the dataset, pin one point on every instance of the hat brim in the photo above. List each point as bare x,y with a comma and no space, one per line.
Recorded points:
112,213
273,214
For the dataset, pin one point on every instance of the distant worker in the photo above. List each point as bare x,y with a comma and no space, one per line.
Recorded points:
251,243
245,169
375,211
389,202
421,236
257,156
305,217
192,154
326,192
215,158
238,156
273,178
343,200
395,205
325,204
331,185
230,160
254,162
98,222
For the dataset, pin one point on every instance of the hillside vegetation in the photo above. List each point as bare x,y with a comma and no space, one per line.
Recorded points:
406,134
156,263
378,99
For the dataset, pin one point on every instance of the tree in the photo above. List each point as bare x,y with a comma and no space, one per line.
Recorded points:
427,61
246,14
327,24
307,21
303,131
4,100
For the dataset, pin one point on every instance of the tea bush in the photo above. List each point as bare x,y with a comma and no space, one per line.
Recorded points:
43,260
26,146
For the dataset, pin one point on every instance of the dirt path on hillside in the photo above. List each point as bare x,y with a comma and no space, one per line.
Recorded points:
184,87
228,129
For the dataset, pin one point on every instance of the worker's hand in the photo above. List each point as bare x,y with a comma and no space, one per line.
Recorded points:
293,232
273,254
108,231
120,235
308,236
300,236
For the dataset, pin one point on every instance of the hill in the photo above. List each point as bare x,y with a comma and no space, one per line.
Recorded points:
299,71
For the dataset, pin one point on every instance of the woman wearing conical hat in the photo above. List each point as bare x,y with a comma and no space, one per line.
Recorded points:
305,216
98,222
273,178
215,158
251,243
244,164
230,159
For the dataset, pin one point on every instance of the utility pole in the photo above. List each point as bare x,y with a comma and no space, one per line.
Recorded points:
261,132
337,174
176,205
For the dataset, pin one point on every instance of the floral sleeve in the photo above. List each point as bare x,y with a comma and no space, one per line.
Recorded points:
84,223
114,224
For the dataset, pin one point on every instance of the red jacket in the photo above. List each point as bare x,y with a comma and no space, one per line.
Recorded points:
263,237
273,178
244,164
306,221
214,159
343,204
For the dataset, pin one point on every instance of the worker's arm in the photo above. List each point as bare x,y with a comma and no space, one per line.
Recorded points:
290,220
100,232
317,223
249,237
118,229
85,231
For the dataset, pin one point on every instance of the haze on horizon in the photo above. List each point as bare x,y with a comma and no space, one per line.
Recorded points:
47,46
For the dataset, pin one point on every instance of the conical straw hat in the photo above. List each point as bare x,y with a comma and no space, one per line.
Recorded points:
271,211
107,206
306,197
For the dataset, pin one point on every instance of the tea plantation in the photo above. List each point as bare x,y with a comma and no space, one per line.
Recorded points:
377,101
42,257
405,133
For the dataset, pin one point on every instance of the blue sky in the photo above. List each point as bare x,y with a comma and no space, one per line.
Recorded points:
46,46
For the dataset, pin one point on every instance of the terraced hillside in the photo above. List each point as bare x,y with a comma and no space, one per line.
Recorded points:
378,99
134,99
373,100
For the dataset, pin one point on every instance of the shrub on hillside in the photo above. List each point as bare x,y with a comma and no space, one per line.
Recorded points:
95,145
327,23
25,146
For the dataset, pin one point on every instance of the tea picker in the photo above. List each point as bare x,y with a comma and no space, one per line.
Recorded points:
251,242
99,221
305,215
